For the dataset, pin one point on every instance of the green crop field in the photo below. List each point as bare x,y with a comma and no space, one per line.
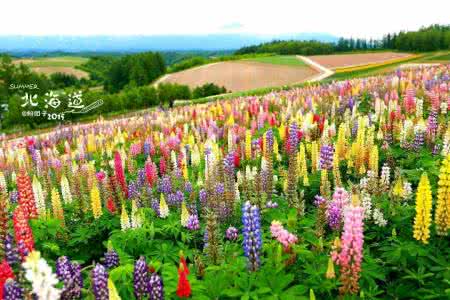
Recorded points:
289,60
61,61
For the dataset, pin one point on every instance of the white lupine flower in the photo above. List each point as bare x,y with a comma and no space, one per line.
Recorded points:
378,218
419,108
136,218
407,190
41,277
38,195
3,185
65,190
366,203
444,107
385,175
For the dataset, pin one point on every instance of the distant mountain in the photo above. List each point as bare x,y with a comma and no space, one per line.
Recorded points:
21,44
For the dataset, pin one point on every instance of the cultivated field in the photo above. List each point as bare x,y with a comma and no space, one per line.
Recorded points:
61,64
347,60
244,74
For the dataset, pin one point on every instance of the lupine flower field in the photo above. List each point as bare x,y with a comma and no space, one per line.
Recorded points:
330,191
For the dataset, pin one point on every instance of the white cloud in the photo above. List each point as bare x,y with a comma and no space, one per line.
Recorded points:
356,18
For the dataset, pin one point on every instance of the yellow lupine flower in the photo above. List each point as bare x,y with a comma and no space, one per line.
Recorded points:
422,221
113,295
58,212
248,144
96,202
442,214
124,219
184,214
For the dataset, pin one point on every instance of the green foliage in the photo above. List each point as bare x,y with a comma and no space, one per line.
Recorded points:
135,70
206,90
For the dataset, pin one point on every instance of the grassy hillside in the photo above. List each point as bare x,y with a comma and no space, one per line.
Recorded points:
289,60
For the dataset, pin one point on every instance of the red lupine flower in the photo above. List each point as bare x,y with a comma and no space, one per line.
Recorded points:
162,166
237,159
183,288
183,262
120,174
110,205
5,273
26,196
22,231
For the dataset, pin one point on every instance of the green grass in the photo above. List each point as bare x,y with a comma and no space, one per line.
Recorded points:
439,57
288,60
62,61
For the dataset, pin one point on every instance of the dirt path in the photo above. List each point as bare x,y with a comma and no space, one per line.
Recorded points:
324,72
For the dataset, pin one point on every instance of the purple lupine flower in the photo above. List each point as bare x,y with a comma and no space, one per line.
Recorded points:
111,259
14,196
133,192
220,188
155,206
76,267
165,185
252,235
326,157
100,282
418,140
188,187
179,196
269,139
155,287
11,252
140,178
147,148
355,128
70,276
293,137
232,233
12,290
318,200
271,204
228,165
172,199
192,223
334,215
436,149
140,278
203,195
432,123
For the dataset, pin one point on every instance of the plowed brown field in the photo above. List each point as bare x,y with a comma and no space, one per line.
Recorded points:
346,60
241,75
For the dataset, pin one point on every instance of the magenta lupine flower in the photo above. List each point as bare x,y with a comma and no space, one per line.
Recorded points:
326,157
232,233
120,174
100,282
192,223
351,249
140,277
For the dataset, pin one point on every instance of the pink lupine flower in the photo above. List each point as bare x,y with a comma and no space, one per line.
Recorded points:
350,254
282,235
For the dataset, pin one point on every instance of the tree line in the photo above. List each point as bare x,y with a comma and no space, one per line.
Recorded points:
431,38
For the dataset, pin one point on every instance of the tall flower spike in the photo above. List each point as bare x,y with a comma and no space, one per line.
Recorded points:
26,197
252,235
422,220
155,286
58,212
140,278
351,251
22,232
183,288
41,277
100,283
442,214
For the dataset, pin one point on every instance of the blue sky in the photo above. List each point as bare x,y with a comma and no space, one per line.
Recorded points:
357,18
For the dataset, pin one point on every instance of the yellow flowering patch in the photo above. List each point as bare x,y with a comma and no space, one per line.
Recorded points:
375,64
